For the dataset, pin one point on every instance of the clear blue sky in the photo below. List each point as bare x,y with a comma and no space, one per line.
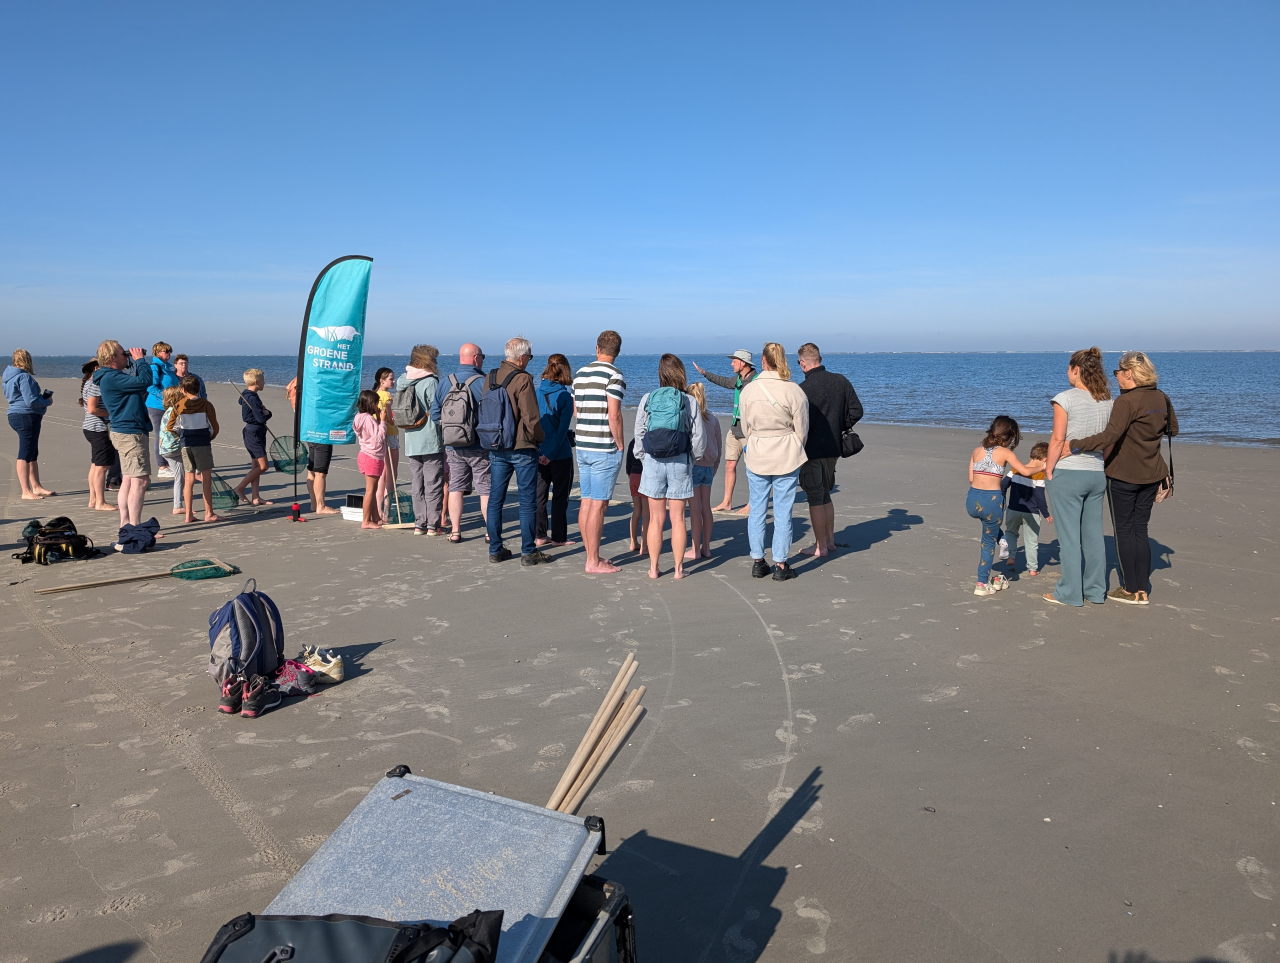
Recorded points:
870,176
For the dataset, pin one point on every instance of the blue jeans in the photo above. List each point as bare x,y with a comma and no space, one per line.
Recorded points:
988,508
1075,497
524,464
783,489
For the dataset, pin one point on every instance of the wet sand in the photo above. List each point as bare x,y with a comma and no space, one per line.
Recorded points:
864,763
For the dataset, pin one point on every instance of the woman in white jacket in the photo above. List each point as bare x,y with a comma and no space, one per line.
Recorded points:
775,419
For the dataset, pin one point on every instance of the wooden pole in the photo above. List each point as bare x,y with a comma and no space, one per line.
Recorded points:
601,749
620,733
608,706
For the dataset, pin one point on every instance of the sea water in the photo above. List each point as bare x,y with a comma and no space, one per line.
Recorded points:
1221,397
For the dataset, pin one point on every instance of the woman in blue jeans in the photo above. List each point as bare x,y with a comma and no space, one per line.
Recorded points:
27,404
1076,483
775,420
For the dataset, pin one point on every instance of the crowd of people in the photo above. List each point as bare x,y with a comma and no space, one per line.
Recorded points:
473,430
1098,446
456,446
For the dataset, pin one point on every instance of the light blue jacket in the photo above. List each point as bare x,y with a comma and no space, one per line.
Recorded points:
22,391
426,439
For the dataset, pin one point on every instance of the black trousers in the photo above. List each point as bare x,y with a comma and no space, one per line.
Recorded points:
555,477
1130,513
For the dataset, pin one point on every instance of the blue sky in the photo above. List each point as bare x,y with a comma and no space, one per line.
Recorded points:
870,176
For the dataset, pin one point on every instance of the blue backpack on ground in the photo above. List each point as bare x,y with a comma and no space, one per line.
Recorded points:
666,432
246,636
496,423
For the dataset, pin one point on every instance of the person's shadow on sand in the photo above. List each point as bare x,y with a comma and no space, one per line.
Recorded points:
861,536
697,905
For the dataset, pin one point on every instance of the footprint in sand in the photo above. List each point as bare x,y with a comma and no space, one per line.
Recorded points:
940,693
1257,876
1256,751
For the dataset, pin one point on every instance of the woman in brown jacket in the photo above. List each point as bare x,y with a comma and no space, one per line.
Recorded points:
1140,417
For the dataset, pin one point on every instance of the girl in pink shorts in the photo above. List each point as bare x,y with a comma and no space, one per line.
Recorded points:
372,435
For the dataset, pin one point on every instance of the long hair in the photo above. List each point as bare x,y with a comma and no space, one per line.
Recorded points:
700,396
1089,362
773,356
22,359
671,373
1004,432
367,403
557,370
89,367
1140,366
379,375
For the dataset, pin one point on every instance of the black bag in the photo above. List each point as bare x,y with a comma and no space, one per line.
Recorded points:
55,541
850,443
355,939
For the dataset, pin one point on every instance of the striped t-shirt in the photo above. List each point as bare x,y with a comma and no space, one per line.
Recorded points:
91,421
593,386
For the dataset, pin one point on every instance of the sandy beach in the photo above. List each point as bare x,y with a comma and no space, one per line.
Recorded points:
864,763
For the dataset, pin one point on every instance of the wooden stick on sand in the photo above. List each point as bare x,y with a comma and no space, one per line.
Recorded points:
603,716
618,734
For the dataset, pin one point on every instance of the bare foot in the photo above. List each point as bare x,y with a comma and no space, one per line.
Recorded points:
567,541
178,511
679,572
653,573
326,510
601,568
722,507
370,524
814,551
32,498
690,555
44,492
213,518
261,501
189,519
541,541
744,510
706,555
104,507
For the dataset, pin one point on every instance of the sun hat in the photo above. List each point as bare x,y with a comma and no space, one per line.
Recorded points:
743,355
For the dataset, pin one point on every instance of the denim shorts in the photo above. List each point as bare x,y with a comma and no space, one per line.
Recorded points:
597,473
703,476
667,477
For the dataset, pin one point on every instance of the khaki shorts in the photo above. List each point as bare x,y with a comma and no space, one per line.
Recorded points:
732,446
199,458
135,457
817,478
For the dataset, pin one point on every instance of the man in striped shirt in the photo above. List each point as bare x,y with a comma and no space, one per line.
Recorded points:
598,389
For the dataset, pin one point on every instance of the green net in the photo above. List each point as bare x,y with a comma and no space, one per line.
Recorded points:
224,499
399,507
200,568
287,455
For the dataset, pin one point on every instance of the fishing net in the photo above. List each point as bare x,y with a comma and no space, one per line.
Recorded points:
224,499
399,507
201,568
287,455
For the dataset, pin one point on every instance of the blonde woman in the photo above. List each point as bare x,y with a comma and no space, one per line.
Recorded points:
27,405
1140,417
775,421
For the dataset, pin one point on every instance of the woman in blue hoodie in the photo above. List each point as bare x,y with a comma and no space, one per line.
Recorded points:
27,404
555,454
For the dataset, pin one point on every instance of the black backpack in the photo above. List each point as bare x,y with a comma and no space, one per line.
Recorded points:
339,938
55,541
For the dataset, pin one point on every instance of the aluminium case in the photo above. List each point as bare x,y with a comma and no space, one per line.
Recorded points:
418,850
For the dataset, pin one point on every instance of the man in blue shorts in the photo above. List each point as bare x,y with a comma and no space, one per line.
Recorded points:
598,389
